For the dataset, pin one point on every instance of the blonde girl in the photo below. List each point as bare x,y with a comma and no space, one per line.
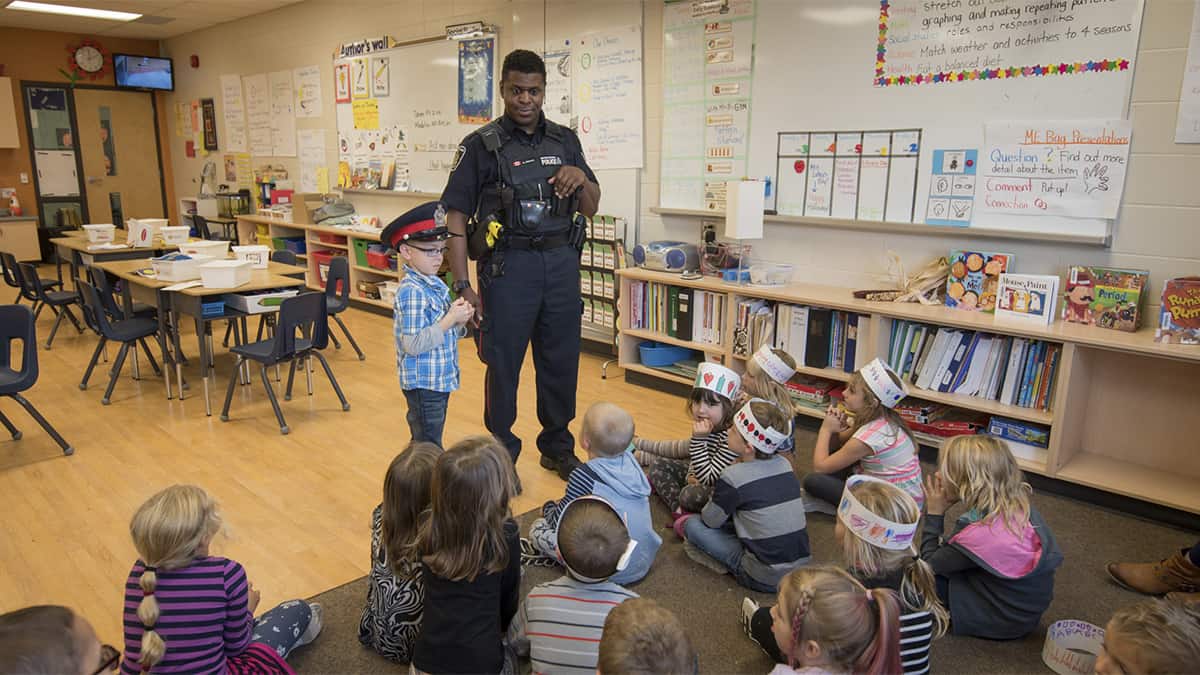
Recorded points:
995,571
391,618
471,562
826,622
1151,638
875,532
876,443
683,472
188,611
766,377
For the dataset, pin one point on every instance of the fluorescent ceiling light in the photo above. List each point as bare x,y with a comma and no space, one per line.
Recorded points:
72,11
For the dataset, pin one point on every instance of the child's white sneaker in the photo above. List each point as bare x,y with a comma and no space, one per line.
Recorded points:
749,608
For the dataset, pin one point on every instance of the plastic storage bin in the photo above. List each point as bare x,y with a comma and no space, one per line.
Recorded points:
380,260
360,251
387,291
322,258
100,233
294,244
258,303
177,234
766,273
256,255
225,273
657,354
178,266
328,238
140,232
214,249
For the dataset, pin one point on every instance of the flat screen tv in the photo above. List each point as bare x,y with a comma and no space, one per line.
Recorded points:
144,72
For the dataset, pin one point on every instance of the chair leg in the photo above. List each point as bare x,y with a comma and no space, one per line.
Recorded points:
228,330
308,373
262,323
58,317
16,433
116,372
287,393
332,380
283,427
71,316
361,355
137,366
66,447
150,356
38,306
19,298
233,380
334,340
87,374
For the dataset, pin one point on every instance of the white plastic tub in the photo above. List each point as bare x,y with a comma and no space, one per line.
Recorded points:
100,233
259,303
258,255
225,273
175,234
141,231
166,269
214,249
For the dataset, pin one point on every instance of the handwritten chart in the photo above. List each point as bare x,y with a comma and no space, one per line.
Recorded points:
862,175
1063,168
258,114
283,114
1187,128
234,112
706,100
608,95
923,42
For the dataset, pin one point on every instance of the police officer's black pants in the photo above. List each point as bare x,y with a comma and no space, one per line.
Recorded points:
535,300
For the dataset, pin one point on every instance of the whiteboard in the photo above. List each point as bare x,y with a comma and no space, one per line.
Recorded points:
813,70
419,98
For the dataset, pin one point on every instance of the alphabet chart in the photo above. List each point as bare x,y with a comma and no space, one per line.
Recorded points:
859,175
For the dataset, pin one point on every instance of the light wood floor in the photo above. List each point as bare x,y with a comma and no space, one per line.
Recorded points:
297,508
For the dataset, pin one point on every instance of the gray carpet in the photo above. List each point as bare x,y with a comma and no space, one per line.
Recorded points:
708,604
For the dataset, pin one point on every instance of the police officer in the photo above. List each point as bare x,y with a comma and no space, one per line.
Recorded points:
521,180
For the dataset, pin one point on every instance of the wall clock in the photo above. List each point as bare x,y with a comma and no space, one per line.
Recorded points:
87,58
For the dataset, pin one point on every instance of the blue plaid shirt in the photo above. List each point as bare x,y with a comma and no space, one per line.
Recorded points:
421,301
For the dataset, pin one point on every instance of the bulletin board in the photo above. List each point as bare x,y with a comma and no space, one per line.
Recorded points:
403,111
866,66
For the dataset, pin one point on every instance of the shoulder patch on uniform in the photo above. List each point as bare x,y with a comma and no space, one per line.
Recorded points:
458,157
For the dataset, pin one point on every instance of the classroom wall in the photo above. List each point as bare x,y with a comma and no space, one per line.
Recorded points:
36,55
1158,228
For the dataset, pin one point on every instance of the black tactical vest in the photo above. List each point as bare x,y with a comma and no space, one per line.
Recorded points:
524,195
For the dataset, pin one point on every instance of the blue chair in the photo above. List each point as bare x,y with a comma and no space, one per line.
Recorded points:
268,320
59,302
337,298
8,266
129,332
17,323
304,314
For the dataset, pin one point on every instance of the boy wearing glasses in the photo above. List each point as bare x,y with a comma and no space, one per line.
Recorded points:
427,324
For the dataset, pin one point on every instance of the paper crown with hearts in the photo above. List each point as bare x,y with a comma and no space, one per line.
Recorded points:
869,526
772,365
761,437
719,379
882,381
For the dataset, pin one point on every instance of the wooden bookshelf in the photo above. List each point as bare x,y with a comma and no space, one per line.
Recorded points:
1121,400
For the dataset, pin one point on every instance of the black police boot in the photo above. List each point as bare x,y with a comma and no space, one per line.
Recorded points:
563,466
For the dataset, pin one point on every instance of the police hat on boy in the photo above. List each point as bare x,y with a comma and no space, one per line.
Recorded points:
426,222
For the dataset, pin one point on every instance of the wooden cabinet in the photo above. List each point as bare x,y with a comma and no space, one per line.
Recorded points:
1121,406
9,135
20,238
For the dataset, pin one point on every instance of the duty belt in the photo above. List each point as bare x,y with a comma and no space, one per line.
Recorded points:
543,243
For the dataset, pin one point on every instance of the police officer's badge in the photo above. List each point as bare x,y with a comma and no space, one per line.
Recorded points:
458,156
439,213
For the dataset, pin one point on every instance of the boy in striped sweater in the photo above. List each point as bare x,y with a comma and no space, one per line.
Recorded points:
559,625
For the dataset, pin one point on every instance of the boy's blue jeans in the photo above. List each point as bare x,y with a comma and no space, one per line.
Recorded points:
427,414
723,545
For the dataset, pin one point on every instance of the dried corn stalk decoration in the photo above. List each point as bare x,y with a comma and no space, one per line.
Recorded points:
924,287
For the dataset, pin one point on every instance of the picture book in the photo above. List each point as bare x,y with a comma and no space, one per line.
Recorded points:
1027,297
1179,316
1104,296
974,278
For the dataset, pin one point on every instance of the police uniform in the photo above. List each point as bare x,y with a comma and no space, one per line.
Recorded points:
529,284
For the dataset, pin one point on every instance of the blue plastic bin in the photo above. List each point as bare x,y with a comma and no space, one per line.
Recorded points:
657,354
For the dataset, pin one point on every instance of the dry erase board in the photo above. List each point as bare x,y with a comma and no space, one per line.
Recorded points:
817,69
403,111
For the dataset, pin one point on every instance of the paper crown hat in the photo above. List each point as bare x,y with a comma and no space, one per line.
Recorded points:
761,437
882,382
622,563
772,365
718,378
426,222
869,526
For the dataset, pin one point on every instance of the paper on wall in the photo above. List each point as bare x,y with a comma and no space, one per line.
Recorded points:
607,79
308,91
233,110
258,114
283,114
311,149
1187,128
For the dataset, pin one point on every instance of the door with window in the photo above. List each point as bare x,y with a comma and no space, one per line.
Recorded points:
118,143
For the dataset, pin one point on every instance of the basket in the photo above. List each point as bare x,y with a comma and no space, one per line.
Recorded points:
175,234
360,252
327,238
322,259
380,260
215,249
225,273
100,234
657,354
294,244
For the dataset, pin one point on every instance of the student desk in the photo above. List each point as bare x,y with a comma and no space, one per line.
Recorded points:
188,302
75,246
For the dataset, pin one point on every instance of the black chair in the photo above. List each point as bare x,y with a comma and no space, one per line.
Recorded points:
12,276
108,296
337,297
204,231
17,323
59,302
129,332
267,321
299,316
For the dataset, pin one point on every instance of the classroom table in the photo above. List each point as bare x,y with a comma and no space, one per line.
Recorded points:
188,301
74,243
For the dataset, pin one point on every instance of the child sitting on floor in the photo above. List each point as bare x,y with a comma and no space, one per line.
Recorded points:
683,472
766,377
875,532
559,624
612,473
641,637
754,525
1151,637
995,572
188,611
391,619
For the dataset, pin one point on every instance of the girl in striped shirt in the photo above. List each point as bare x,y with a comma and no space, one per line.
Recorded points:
871,508
188,611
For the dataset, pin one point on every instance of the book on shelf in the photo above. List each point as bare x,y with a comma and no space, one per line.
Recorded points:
1107,297
1019,431
974,279
1179,315
811,389
684,314
816,348
1027,297
851,340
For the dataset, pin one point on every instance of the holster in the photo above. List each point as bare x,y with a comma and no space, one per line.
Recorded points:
577,235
